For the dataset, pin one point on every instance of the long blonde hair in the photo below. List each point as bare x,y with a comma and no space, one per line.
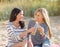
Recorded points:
46,18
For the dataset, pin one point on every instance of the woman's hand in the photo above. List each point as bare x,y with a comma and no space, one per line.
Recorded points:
20,44
31,30
41,30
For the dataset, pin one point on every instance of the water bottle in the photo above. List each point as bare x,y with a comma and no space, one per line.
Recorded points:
36,27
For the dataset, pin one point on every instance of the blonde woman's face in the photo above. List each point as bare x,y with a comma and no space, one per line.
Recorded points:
38,16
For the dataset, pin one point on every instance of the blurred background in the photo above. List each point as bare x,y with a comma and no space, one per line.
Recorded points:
29,6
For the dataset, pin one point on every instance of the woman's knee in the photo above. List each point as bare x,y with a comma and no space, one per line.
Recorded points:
45,45
37,46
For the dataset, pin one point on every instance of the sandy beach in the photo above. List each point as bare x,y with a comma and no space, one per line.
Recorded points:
55,24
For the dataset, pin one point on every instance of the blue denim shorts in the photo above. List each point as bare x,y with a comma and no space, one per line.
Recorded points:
46,43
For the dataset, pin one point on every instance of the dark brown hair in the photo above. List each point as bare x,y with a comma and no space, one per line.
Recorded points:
13,16
22,24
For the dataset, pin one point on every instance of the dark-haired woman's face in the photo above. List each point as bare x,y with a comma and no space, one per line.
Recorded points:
20,16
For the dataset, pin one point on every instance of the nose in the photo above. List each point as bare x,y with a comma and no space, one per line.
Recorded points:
22,16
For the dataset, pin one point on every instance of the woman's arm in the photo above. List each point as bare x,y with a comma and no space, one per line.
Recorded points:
26,32
41,30
20,44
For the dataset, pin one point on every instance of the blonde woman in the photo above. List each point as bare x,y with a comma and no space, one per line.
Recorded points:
40,37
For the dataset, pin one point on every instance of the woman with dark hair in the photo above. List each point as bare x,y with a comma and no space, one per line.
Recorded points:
17,30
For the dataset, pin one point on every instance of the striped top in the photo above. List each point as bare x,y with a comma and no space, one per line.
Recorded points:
13,34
